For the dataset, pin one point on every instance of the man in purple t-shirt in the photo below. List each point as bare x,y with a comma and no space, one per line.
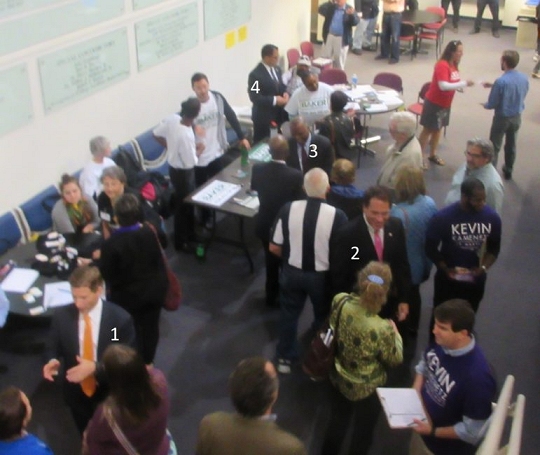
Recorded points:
456,385
463,241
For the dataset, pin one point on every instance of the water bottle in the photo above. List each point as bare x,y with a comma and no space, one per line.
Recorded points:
244,156
354,80
200,252
273,129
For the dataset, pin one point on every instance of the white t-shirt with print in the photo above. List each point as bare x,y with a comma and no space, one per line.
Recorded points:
311,106
208,119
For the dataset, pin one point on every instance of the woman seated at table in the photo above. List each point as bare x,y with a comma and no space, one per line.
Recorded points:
339,126
133,267
115,185
343,194
136,408
368,345
74,213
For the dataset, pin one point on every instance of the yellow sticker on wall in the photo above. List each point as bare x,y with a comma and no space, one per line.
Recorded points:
242,33
230,40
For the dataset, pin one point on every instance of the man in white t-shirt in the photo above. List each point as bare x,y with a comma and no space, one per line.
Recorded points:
312,101
175,133
210,130
90,179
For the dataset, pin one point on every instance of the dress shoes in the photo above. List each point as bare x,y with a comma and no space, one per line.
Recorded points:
393,61
380,57
495,34
357,51
474,31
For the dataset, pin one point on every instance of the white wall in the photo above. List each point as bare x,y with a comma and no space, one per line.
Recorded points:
34,156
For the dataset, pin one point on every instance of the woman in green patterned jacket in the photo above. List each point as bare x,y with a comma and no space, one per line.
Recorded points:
366,345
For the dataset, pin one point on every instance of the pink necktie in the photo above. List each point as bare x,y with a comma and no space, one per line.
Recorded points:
378,244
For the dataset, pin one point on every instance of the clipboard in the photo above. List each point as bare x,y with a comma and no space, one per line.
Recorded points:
401,406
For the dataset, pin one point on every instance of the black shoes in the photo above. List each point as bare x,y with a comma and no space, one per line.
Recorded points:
474,31
357,51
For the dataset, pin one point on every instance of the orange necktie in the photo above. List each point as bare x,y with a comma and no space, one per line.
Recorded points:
89,384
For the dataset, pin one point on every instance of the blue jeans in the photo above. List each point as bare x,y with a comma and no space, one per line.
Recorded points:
295,285
391,29
505,128
363,33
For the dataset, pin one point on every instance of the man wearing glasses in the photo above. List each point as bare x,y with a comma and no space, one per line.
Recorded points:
478,157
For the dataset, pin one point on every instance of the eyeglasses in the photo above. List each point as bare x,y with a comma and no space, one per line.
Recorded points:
473,155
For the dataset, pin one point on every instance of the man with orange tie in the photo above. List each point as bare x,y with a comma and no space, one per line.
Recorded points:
373,236
80,332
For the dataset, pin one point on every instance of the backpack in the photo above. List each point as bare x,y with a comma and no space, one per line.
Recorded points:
130,165
156,189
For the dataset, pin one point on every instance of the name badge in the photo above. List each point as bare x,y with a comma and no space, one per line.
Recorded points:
105,216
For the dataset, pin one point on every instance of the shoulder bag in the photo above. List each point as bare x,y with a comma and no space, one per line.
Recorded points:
319,359
122,439
173,298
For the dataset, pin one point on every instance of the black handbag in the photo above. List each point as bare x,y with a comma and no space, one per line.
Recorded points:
319,359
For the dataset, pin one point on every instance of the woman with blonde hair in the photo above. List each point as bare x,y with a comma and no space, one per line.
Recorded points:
414,209
366,346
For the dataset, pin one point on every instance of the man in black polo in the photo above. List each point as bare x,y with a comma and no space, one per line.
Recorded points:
301,237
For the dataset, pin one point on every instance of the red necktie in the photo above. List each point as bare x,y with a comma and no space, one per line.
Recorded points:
378,244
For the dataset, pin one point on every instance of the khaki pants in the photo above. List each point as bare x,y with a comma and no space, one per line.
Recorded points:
417,446
333,49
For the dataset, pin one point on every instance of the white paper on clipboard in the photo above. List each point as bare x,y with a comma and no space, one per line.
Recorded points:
19,280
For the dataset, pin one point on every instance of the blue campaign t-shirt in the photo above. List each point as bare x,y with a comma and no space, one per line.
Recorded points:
27,445
462,234
456,387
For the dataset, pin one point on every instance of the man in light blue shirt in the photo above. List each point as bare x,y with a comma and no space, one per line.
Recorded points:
507,99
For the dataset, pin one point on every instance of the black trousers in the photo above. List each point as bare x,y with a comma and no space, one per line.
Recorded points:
146,322
82,407
493,7
456,5
273,267
183,181
362,414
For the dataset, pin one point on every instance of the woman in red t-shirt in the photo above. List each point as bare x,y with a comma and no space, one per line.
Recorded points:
438,100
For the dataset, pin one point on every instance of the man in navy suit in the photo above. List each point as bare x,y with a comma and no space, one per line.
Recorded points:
267,92
108,324
276,184
309,150
373,236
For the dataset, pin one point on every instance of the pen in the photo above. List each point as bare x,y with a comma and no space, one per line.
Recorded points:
414,423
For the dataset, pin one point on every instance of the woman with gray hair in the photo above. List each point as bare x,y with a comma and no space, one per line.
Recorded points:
405,150
115,185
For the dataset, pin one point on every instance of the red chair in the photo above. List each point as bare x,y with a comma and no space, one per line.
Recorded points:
292,57
306,48
389,80
333,76
435,30
418,107
408,34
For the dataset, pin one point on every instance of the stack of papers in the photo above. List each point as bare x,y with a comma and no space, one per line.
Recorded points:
57,294
19,280
217,193
401,406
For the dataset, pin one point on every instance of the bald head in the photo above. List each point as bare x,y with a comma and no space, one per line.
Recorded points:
316,183
279,148
299,130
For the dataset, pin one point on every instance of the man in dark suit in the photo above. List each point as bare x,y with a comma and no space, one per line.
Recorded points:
267,92
276,184
373,236
308,150
79,334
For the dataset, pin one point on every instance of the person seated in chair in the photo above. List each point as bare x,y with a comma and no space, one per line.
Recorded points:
339,126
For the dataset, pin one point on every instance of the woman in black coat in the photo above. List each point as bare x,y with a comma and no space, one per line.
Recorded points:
133,267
